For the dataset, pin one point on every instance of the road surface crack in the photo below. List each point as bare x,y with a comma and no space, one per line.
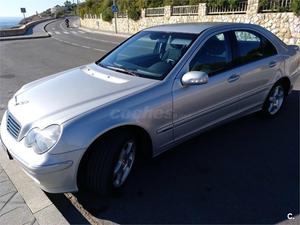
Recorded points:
8,200
10,210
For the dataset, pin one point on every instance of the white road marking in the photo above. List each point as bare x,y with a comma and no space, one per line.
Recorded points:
75,44
100,50
57,39
61,26
74,32
94,39
101,40
81,32
66,32
49,32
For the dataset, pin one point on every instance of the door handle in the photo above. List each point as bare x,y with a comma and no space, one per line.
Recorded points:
233,78
272,64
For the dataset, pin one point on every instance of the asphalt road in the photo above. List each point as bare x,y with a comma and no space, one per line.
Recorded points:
246,171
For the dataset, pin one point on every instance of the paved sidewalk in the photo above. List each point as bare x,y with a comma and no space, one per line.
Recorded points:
21,200
37,31
13,209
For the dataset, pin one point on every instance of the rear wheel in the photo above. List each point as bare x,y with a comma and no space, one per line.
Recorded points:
275,100
109,163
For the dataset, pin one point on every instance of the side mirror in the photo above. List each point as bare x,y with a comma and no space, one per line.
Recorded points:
194,78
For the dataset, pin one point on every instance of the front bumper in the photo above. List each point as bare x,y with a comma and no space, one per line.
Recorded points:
54,173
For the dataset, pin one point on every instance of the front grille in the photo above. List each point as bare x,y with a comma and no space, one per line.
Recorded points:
13,126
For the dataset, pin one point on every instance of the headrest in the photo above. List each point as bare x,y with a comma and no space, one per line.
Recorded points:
179,43
214,47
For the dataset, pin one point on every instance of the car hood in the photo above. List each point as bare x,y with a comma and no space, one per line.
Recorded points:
65,95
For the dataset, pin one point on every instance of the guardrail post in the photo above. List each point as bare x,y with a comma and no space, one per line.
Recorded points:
253,6
202,10
168,11
143,13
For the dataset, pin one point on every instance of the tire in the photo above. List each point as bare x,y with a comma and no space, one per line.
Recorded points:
99,173
274,102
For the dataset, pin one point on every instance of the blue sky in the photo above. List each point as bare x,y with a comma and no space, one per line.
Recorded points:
12,7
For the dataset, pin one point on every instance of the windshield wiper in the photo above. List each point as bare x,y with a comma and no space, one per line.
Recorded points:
120,69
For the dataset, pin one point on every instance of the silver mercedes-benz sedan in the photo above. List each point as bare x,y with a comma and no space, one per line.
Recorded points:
86,127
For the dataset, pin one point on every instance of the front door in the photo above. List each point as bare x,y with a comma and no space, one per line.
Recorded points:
198,106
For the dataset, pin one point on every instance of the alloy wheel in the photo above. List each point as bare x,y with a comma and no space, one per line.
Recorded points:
124,163
276,100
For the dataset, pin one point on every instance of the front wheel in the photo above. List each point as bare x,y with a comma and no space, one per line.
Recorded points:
275,100
110,162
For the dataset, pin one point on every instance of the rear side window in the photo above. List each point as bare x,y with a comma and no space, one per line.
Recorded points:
213,57
251,46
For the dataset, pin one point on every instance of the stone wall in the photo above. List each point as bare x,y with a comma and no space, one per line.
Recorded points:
285,25
20,30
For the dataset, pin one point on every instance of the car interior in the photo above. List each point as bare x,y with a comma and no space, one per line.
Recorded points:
155,54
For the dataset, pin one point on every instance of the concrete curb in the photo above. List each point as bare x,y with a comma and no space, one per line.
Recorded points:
24,37
41,207
105,32
52,21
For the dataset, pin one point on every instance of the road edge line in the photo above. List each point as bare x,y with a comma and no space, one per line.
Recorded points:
103,32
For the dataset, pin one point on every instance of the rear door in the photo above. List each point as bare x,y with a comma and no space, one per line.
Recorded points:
256,64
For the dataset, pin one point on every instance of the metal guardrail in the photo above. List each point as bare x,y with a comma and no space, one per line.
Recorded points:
122,15
239,8
151,12
188,10
88,16
276,6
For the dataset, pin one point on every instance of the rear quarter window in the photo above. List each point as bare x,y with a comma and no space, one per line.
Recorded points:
251,46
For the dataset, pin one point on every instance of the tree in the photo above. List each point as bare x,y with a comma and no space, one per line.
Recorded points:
46,13
68,5
134,11
107,14
296,7
123,5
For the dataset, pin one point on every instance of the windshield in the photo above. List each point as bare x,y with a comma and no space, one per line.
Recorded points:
148,54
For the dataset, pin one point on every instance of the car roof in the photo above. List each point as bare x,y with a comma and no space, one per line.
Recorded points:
194,28
197,28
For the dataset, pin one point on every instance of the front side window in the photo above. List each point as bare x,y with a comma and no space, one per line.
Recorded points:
251,47
149,54
213,57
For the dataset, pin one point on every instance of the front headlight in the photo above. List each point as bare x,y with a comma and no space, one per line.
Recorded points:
42,140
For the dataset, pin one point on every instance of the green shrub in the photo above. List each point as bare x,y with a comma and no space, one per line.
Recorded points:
216,3
296,7
59,14
263,3
233,3
107,14
123,5
81,11
134,13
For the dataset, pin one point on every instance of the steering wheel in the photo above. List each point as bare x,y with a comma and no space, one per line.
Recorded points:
171,61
